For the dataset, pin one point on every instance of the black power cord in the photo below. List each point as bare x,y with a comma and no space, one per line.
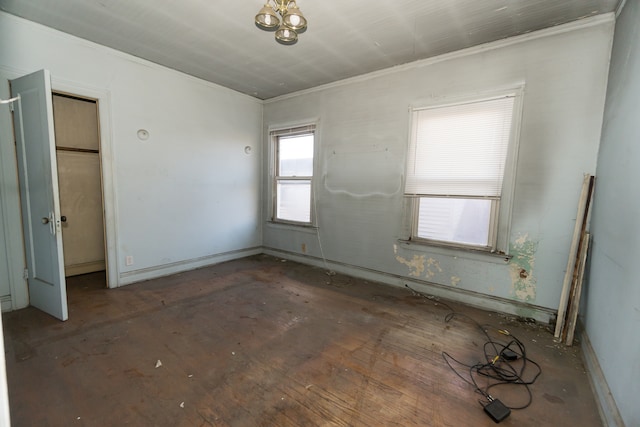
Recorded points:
506,364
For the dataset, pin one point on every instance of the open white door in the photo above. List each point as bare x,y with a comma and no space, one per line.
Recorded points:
36,149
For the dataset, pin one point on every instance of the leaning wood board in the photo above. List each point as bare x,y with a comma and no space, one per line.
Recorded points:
572,316
578,231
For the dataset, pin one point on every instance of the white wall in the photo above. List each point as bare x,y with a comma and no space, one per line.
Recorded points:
363,136
612,313
186,197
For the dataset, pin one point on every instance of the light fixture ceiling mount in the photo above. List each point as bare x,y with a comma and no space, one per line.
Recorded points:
284,17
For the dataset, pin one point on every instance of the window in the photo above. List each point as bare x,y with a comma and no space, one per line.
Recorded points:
293,177
458,157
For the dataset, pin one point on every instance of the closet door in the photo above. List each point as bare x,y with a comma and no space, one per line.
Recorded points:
37,168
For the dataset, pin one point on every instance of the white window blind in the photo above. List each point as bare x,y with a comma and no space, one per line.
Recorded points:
298,130
460,150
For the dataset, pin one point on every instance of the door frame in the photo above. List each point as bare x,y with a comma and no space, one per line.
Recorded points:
107,167
103,260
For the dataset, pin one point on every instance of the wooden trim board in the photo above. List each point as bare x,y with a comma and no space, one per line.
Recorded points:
579,229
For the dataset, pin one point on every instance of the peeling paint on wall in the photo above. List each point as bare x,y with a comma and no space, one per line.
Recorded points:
416,264
419,264
433,266
455,280
523,282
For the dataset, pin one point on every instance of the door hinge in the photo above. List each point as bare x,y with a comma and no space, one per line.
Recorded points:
25,274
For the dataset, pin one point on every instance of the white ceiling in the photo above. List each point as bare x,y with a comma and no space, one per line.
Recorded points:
217,41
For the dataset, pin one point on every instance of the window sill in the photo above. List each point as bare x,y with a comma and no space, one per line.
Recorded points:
457,252
305,228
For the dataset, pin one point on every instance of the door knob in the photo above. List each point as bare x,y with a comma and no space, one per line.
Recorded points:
63,218
45,220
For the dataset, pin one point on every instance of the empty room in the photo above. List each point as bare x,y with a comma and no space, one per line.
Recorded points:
306,213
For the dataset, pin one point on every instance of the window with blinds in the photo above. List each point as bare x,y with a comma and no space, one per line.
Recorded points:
293,177
456,169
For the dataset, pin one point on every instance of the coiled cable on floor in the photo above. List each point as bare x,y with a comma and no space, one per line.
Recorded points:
505,363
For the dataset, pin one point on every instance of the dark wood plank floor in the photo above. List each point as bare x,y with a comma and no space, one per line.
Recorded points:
262,342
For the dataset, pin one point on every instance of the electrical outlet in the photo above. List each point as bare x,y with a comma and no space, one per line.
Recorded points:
128,260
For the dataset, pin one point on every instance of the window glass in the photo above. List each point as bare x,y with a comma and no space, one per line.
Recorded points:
295,155
464,221
293,200
293,177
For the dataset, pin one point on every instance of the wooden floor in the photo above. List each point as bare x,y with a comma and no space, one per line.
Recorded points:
263,342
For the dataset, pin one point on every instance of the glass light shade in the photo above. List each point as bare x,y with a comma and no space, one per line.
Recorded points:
286,35
294,18
267,19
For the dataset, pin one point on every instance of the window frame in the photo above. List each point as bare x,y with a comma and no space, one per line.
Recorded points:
502,206
275,134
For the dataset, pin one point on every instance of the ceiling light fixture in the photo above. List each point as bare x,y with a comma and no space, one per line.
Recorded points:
283,17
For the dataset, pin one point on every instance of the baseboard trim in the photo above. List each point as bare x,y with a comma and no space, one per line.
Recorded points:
87,267
5,303
476,299
142,274
606,403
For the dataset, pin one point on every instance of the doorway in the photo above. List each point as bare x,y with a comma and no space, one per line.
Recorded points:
77,136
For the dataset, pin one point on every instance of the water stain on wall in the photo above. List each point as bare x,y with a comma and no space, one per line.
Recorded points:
523,282
349,170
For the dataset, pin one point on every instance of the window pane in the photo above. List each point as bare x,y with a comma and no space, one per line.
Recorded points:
295,155
452,220
294,200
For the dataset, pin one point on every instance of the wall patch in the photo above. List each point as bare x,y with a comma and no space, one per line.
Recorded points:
433,266
521,266
416,264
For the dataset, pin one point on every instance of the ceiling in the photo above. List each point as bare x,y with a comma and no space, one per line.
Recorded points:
218,41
